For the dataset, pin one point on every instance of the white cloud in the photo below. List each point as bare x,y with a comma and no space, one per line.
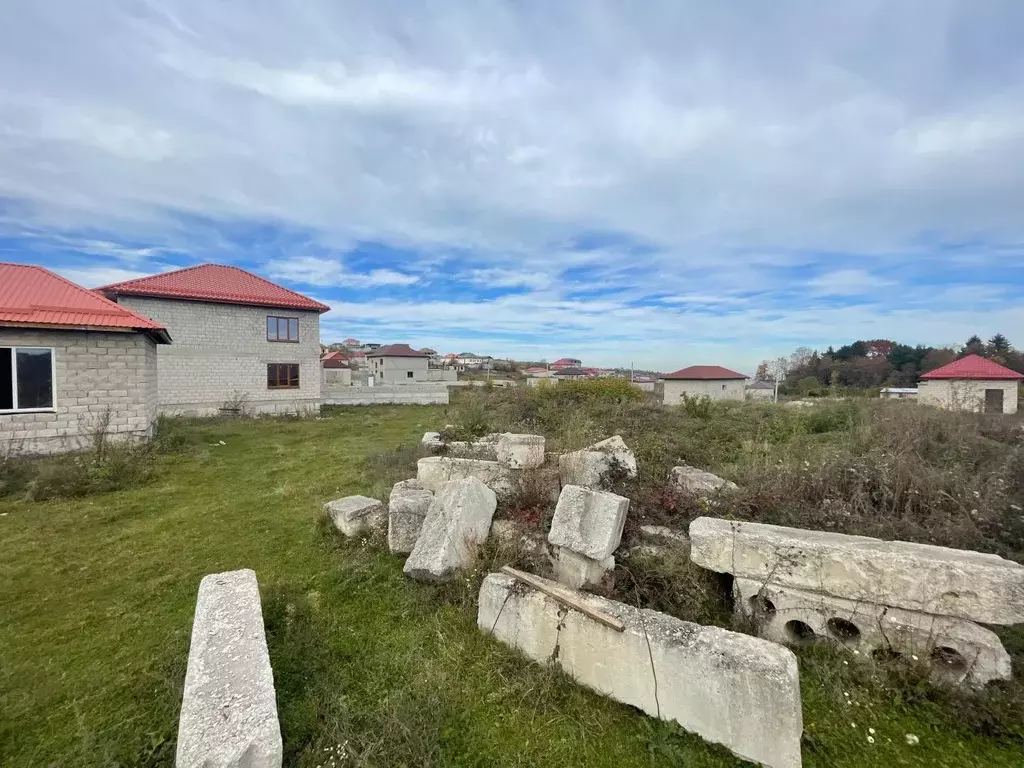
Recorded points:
94,277
847,282
312,270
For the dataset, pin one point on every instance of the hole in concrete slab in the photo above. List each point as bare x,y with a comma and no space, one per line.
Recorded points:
843,630
761,606
886,655
799,633
948,659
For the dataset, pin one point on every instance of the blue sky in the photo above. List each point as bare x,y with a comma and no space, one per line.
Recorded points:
667,183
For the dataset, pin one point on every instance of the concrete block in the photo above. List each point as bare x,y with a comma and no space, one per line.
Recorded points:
588,522
457,522
520,451
666,537
407,507
228,711
917,577
592,466
699,482
435,470
576,571
731,689
957,650
356,515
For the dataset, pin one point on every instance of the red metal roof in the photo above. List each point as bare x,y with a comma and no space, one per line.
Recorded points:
217,283
34,296
711,372
973,367
565,361
396,350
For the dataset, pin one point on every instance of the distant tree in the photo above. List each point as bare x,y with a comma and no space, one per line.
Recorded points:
936,358
999,347
878,347
763,373
974,346
830,352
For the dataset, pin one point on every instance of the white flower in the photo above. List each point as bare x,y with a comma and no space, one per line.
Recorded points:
913,657
853,725
912,740
871,731
871,739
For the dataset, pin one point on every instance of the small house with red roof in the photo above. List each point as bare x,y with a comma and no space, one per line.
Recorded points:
72,362
241,343
972,383
711,381
566,362
398,364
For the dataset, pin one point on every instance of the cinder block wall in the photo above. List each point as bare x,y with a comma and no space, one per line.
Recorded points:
95,372
219,355
396,370
965,395
733,389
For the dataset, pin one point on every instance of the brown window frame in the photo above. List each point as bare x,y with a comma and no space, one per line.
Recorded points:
278,319
275,379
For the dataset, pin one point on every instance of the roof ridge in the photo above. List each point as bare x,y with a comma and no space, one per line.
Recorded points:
93,294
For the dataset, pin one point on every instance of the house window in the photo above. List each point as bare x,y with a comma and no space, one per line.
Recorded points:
283,329
282,376
723,387
26,378
408,374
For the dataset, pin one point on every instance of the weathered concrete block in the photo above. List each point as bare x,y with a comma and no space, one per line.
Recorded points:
228,710
731,689
588,522
699,482
575,570
918,577
457,522
356,515
407,507
520,451
958,650
432,441
592,466
435,470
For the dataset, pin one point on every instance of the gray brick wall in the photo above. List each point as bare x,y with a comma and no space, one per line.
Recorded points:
94,372
396,370
220,352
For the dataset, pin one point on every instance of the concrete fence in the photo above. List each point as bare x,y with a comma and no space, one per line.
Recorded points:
388,394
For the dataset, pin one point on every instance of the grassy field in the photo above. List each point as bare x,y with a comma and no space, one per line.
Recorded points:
371,669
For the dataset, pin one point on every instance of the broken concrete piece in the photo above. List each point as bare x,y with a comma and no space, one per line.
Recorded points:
664,535
457,522
592,466
407,507
228,710
577,571
520,451
917,577
432,440
588,522
435,470
356,515
699,482
958,650
728,688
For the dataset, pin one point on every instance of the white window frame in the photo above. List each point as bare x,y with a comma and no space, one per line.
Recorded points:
14,379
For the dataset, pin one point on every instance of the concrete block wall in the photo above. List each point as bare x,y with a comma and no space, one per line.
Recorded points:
731,389
396,370
95,372
964,395
398,394
219,355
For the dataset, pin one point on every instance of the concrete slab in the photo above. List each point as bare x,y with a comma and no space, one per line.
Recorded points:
356,515
407,508
588,522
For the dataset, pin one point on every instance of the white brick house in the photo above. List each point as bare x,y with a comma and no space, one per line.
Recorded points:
71,364
711,381
239,341
398,364
971,383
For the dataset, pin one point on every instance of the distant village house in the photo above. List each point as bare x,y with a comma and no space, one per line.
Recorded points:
972,383
711,381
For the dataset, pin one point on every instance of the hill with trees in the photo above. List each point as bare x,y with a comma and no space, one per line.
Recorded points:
878,363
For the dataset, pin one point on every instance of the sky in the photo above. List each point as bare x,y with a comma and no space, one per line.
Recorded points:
665,183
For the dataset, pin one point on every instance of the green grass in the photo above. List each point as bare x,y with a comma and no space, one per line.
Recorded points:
98,595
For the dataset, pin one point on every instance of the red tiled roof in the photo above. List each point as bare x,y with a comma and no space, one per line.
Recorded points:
33,296
335,356
351,342
217,283
973,367
334,362
396,350
565,361
711,372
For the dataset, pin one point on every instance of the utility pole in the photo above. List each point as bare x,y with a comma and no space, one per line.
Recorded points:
630,371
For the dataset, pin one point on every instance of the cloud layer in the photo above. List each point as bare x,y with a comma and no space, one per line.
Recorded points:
669,183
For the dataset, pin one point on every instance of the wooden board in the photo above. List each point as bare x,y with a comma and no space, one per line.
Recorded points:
564,596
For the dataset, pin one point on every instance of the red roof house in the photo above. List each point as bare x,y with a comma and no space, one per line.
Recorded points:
71,360
238,338
566,362
971,383
703,381
397,350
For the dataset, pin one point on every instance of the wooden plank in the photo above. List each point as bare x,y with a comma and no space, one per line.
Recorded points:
564,596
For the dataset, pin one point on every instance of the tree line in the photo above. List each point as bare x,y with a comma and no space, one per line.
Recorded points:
878,363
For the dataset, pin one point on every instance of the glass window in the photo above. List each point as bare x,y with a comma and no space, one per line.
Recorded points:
282,329
26,378
282,376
